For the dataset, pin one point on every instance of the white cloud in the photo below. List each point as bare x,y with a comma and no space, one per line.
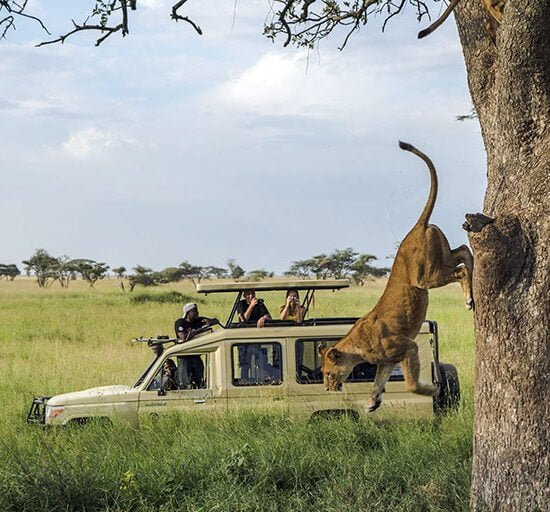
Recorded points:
283,84
40,106
85,143
151,4
355,91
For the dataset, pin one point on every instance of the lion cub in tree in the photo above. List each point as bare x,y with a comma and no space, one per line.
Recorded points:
493,8
385,336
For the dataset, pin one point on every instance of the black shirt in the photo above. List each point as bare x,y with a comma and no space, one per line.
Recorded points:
185,326
257,313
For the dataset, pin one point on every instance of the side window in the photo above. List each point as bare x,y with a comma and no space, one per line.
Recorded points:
256,364
308,365
181,372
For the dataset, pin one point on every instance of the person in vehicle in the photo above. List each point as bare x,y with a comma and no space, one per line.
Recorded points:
169,372
191,321
251,309
292,309
193,372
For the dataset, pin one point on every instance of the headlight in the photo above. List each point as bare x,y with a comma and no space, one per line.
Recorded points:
53,412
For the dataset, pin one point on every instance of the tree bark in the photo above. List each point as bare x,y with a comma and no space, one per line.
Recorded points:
509,80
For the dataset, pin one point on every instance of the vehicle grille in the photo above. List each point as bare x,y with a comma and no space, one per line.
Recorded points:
37,414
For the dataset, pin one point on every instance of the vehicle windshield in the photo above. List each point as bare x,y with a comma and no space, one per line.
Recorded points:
144,374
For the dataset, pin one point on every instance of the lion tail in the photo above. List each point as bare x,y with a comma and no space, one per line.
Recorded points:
427,212
439,21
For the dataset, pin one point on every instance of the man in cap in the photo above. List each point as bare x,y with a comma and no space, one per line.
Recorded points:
191,321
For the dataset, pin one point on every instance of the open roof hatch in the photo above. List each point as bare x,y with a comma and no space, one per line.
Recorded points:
239,287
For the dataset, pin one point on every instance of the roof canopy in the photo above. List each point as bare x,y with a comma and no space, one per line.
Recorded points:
321,284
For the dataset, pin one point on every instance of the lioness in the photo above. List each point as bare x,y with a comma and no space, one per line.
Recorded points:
385,336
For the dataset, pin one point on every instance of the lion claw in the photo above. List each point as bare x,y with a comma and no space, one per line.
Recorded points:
374,405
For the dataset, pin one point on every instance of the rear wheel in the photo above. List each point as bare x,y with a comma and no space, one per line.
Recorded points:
448,398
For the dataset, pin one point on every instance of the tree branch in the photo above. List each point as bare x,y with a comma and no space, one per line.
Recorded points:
467,117
395,13
85,26
104,10
16,9
176,16
475,222
299,23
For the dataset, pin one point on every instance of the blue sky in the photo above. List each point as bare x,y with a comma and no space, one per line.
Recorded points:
167,146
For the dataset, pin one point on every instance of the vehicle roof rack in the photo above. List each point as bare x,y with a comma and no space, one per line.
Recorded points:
264,286
307,285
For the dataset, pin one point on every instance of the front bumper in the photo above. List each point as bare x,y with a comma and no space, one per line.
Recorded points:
37,413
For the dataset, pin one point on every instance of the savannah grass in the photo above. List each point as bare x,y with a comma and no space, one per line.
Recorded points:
55,340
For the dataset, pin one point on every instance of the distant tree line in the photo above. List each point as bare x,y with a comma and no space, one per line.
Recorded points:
342,263
146,276
48,269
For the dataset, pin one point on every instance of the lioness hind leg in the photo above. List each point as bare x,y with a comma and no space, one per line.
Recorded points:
462,256
411,371
445,265
383,373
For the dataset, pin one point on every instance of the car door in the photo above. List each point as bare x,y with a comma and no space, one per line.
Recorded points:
306,391
255,375
195,386
308,395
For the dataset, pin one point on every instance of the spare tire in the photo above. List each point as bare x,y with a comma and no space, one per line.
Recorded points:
448,397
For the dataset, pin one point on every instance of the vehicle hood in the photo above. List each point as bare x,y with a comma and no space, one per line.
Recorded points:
102,394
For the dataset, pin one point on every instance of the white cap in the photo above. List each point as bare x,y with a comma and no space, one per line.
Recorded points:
188,307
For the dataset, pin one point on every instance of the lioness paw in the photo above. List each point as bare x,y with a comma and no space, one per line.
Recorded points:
374,404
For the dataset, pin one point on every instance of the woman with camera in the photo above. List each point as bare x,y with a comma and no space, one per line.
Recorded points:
292,309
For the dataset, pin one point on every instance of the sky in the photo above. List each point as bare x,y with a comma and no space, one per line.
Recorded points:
166,146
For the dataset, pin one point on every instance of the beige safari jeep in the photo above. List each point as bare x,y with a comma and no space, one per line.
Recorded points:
240,366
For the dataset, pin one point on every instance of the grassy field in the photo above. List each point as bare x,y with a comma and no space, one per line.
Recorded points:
55,340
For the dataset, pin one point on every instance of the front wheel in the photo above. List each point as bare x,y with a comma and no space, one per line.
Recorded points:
334,414
448,397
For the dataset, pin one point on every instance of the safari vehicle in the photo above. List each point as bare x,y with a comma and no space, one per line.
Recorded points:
238,366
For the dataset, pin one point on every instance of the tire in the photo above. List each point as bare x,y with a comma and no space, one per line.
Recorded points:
448,398
92,420
334,414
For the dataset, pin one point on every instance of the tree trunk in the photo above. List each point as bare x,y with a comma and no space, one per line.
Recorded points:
509,80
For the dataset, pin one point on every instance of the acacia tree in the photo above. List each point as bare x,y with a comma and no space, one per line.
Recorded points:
10,271
340,264
362,270
192,272
120,272
235,271
143,276
63,270
215,272
90,270
41,264
506,55
258,275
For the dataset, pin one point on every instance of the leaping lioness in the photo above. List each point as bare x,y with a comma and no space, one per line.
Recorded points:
385,336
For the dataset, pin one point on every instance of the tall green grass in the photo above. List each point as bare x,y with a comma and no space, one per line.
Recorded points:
57,340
